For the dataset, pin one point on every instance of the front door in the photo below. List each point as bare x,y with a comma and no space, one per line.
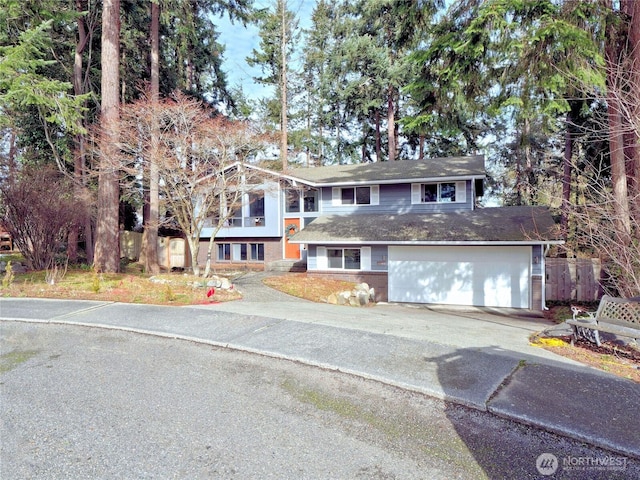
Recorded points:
291,250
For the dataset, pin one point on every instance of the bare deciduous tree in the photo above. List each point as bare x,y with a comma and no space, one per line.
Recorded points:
607,217
39,210
599,228
200,160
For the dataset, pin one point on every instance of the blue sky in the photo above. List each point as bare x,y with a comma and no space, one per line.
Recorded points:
239,42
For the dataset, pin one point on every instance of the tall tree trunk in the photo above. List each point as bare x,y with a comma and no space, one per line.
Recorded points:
632,143
378,140
79,153
566,173
283,87
616,135
152,218
107,254
391,124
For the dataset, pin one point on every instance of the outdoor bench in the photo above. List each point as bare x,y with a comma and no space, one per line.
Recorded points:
619,316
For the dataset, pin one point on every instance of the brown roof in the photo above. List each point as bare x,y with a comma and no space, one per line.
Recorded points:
499,224
391,172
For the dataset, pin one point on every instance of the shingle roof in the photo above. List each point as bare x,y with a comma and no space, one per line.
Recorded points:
499,224
388,172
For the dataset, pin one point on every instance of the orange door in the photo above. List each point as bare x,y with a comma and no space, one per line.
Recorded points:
291,250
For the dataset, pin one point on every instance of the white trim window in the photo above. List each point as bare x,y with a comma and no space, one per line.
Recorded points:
240,252
344,258
442,192
369,195
296,199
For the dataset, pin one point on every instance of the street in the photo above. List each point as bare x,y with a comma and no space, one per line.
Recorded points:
89,403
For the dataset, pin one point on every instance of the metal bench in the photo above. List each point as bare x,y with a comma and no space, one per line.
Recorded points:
619,316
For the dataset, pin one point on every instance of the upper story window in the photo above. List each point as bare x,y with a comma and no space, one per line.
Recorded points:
368,195
307,199
310,200
256,204
444,192
292,201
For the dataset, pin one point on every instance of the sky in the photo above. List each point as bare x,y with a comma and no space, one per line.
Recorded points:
239,41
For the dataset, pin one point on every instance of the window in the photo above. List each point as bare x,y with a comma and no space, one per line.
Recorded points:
231,210
224,251
343,258
235,218
257,251
445,192
334,257
293,201
256,210
256,204
439,192
355,195
241,252
351,258
310,200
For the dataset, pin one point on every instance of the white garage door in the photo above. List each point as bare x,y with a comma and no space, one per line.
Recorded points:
478,276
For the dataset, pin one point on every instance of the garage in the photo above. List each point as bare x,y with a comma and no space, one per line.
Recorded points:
496,276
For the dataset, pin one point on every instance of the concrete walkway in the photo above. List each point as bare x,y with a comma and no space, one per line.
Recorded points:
474,357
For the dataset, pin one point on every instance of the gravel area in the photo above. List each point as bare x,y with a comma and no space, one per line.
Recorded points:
90,403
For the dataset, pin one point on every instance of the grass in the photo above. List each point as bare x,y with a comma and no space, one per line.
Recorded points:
130,286
301,286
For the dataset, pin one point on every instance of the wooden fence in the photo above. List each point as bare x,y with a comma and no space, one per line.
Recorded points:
172,252
574,279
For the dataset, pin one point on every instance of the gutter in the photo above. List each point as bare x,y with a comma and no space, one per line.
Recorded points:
547,243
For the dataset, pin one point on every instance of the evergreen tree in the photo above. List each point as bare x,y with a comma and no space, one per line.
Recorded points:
278,32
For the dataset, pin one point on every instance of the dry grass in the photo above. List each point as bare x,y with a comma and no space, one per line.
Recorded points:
310,288
130,286
133,286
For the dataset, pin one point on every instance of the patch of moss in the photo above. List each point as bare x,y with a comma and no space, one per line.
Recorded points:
429,439
11,360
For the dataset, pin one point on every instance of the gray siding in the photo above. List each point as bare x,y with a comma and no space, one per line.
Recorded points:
393,199
379,258
312,259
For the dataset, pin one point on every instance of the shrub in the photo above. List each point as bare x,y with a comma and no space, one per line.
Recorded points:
39,209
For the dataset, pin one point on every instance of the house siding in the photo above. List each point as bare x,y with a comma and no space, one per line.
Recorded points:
393,199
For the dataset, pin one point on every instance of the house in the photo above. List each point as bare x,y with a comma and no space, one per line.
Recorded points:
411,229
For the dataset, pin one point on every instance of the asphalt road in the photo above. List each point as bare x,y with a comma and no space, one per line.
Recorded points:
85,403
